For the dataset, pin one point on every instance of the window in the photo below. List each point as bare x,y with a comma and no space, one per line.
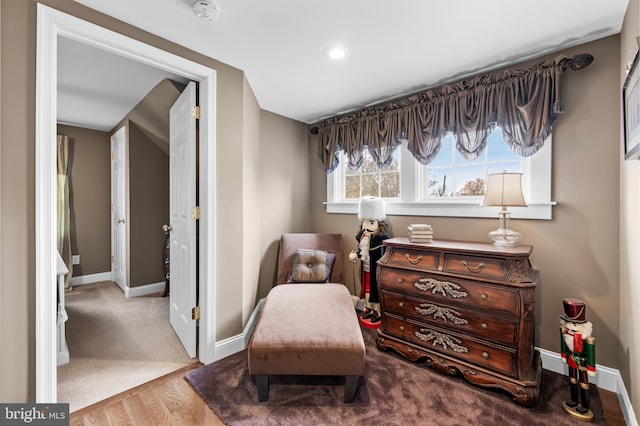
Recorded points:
370,180
450,175
448,186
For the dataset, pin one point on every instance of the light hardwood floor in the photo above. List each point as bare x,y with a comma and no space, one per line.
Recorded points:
170,400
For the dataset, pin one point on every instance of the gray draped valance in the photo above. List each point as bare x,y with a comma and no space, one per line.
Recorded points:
524,102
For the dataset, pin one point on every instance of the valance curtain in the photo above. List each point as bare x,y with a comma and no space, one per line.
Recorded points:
64,211
524,102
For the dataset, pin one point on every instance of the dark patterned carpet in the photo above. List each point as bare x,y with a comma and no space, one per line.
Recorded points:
393,391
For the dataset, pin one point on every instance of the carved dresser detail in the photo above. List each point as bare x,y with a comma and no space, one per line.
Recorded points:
465,308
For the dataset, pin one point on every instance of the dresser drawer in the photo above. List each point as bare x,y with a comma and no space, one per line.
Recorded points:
496,358
443,289
475,266
421,260
454,318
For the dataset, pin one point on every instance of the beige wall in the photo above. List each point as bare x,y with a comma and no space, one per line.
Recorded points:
17,201
17,186
284,192
148,207
577,251
252,203
629,334
151,114
90,200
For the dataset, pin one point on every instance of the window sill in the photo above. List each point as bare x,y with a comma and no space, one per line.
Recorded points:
539,211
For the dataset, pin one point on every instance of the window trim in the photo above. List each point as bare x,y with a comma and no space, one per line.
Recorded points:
537,193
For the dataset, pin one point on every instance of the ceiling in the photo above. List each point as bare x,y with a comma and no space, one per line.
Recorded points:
393,48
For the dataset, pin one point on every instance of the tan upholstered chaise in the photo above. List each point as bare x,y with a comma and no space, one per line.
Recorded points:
307,328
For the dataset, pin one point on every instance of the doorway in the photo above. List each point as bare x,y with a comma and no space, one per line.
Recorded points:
51,25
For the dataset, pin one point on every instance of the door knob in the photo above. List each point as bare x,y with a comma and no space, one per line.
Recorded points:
121,220
167,228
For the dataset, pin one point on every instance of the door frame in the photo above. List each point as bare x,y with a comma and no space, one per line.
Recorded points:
51,24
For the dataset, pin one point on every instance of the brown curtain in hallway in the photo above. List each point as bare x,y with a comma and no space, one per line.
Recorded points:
524,102
64,211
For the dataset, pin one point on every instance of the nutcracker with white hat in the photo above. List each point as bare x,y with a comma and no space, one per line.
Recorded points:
372,216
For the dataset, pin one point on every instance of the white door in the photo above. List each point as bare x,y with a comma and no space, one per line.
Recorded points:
182,200
119,208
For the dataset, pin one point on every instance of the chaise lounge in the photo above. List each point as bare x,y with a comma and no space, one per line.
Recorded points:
308,327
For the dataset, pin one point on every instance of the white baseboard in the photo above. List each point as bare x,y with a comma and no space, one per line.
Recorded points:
237,343
606,378
90,279
62,358
144,290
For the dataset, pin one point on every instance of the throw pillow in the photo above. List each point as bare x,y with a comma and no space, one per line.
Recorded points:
311,266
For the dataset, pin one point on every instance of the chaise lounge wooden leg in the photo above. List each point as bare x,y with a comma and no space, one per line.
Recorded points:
262,384
350,388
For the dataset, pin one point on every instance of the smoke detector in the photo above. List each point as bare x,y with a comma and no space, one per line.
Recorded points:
206,9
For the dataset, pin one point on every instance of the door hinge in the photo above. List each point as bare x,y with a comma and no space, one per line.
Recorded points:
113,155
113,259
195,112
195,213
195,313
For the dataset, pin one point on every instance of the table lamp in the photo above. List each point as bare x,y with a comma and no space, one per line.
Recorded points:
504,189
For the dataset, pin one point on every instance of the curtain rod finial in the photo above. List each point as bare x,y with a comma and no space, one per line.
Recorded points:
580,61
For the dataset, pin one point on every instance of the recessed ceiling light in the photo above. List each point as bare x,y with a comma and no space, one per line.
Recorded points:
337,52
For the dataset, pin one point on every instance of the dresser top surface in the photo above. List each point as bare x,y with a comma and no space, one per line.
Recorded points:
461,246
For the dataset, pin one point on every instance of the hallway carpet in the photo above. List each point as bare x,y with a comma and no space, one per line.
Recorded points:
115,343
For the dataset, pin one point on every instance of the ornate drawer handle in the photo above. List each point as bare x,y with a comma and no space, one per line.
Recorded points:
478,268
414,261
447,314
485,355
401,304
400,280
402,328
484,326
445,288
446,341
484,296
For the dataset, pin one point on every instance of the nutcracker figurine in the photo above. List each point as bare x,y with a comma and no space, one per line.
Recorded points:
579,353
371,213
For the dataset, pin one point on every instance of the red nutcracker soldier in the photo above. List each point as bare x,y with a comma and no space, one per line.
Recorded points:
579,353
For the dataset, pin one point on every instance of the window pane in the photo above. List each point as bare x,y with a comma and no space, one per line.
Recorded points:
498,149
439,182
390,185
370,180
368,165
445,155
352,186
466,176
369,185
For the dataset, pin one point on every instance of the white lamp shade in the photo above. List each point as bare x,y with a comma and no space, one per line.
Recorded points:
504,189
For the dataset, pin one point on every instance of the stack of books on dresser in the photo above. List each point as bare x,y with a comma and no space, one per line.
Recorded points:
420,233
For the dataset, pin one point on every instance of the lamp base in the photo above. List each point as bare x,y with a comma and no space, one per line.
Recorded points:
503,236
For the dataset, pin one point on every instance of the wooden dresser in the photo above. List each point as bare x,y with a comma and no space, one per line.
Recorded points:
465,308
